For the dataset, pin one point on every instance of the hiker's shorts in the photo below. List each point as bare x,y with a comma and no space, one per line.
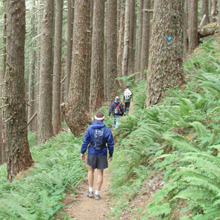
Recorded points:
97,162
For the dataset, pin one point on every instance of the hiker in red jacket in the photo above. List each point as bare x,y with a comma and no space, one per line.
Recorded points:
117,110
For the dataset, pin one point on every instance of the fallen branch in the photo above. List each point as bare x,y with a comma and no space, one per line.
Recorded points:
32,118
207,30
148,10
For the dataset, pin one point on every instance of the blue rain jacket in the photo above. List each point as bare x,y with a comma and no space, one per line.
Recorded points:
89,136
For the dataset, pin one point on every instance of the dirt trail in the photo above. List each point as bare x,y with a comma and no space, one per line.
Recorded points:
81,207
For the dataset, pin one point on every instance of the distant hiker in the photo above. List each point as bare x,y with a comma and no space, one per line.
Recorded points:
97,136
117,111
127,98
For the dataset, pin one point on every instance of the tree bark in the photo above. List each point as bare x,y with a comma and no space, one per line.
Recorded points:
219,17
70,17
126,40
145,39
132,31
87,76
139,37
97,76
18,153
56,113
45,130
186,40
106,94
2,111
121,42
166,52
111,40
213,10
32,67
193,25
75,114
205,11
39,62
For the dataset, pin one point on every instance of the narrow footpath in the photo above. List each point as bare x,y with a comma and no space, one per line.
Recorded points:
81,207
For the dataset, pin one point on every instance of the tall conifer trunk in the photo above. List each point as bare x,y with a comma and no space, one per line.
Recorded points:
139,38
145,39
97,61
69,43
18,153
56,116
121,40
32,69
45,130
193,25
166,52
75,113
111,43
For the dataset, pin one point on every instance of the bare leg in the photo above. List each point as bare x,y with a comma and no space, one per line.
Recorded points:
99,179
90,176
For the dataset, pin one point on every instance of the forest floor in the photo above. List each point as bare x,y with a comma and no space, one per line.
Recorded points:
81,207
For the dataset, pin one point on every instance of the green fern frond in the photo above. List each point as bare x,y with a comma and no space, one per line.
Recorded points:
210,213
186,105
198,179
200,128
179,142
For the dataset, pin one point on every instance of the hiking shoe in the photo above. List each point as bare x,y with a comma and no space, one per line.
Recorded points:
97,197
89,194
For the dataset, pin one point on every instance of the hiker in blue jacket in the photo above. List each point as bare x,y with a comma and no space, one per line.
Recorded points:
96,137
117,110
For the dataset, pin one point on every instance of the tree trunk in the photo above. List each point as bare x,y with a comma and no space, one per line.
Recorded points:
56,116
2,111
193,25
97,76
18,153
213,11
205,11
121,42
166,52
45,130
126,40
89,18
185,35
1,122
111,40
145,39
106,94
75,114
39,63
70,17
219,17
32,68
139,38
132,31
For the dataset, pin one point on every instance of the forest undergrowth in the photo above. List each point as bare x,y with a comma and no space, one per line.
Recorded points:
170,149
178,137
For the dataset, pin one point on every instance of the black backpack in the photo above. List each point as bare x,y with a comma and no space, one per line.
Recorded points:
98,141
117,109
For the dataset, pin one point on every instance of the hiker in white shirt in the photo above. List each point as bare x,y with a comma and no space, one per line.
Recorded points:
127,95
